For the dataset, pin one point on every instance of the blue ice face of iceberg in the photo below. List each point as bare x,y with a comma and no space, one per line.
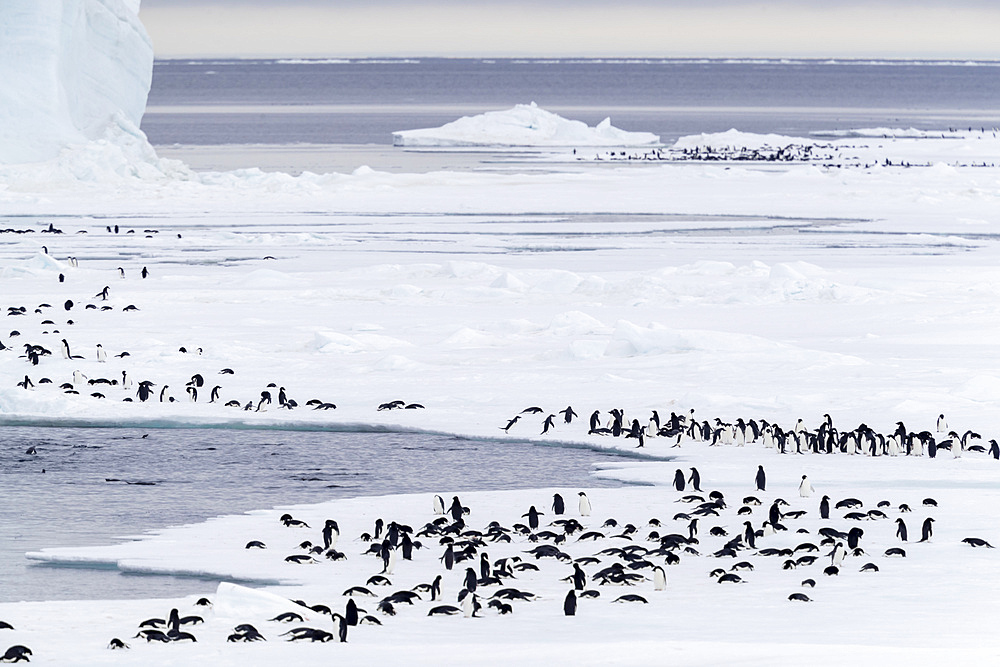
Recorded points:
70,68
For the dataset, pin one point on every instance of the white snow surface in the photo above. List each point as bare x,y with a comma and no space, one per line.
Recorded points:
70,69
523,125
781,292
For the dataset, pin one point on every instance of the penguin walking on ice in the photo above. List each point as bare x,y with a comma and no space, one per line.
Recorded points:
824,507
579,577
547,424
761,479
805,488
695,480
749,536
568,414
901,529
838,554
926,530
584,504
558,505
679,480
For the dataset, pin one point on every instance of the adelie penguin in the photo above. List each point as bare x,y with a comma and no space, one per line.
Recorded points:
584,504
926,530
824,507
901,529
761,479
805,488
569,604
558,506
679,480
695,479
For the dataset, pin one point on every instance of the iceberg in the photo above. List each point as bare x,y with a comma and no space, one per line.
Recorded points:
70,70
524,125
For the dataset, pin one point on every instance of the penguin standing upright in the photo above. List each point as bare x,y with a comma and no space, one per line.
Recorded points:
558,506
837,555
456,510
926,530
749,536
579,577
351,612
595,421
805,488
854,536
659,578
331,531
471,580
569,604
102,356
584,505
761,479
695,479
774,514
824,507
449,557
532,515
438,505
679,480
901,529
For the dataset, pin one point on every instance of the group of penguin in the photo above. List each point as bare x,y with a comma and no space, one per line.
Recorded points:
475,580
679,429
143,390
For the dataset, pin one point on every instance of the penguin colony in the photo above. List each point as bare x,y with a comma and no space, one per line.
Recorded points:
51,325
482,568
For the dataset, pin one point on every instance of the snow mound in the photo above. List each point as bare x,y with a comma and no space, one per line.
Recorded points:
69,68
524,125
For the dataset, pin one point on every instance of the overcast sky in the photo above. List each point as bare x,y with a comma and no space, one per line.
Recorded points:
952,29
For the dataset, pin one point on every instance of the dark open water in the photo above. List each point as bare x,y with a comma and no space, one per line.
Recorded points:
180,476
364,101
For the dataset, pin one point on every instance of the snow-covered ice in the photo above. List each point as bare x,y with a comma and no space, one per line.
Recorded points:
861,288
523,125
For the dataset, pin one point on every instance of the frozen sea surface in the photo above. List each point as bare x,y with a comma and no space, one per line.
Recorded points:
100,484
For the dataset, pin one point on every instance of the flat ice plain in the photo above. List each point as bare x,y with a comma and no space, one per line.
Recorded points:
846,286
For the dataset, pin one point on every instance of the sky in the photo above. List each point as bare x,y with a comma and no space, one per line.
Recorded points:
956,29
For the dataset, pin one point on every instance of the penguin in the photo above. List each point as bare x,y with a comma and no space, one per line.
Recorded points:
695,479
438,504
824,507
532,515
144,273
456,510
942,424
547,424
901,529
102,356
692,529
341,622
558,506
595,421
761,478
484,565
584,505
193,393
926,530
510,424
659,579
994,449
471,580
679,480
351,613
215,394
331,531
749,536
854,536
805,488
569,604
837,555
568,414
448,558
64,347
164,396
579,577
